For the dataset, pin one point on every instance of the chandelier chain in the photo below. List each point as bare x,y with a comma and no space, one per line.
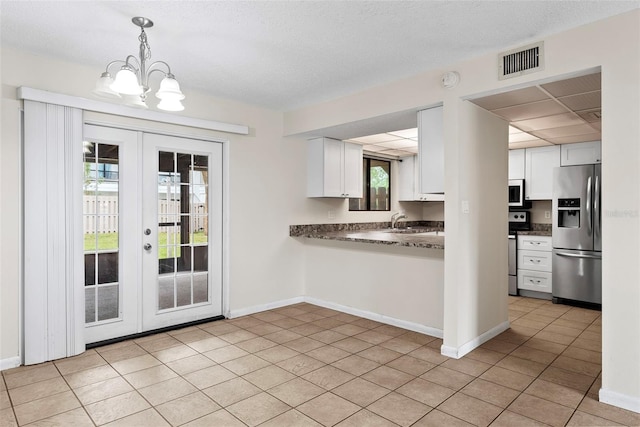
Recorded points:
142,38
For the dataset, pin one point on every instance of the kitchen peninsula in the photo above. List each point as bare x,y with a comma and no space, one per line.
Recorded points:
367,269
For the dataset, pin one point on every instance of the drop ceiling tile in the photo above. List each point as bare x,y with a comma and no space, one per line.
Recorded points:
528,144
591,116
374,139
522,136
514,130
577,138
531,111
597,126
588,83
563,131
509,99
398,153
548,122
373,148
412,150
399,143
583,101
406,133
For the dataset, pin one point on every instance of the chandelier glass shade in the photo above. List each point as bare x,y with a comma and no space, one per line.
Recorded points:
131,83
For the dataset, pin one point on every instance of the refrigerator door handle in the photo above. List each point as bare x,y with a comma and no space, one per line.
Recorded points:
597,207
588,207
570,255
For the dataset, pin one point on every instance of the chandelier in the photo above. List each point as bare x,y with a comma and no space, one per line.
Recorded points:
132,79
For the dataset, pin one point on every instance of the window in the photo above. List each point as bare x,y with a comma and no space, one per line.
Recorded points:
377,185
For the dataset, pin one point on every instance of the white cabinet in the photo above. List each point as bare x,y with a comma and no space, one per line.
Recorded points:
409,182
583,153
540,162
534,263
334,168
516,164
407,172
431,150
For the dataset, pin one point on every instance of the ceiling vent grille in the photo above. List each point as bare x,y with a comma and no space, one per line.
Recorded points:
521,61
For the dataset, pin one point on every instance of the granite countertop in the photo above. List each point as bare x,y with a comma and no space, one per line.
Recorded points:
537,230
534,233
375,233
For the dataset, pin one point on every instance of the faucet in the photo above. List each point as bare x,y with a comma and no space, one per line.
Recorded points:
396,217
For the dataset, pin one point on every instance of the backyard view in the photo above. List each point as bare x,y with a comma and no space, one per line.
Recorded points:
106,241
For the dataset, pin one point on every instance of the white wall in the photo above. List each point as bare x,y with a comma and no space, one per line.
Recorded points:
612,46
400,283
476,281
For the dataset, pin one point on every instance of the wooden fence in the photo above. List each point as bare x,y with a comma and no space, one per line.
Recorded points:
101,214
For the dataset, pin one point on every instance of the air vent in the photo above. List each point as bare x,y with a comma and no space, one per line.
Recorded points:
521,61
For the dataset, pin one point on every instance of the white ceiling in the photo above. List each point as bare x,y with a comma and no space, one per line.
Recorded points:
287,54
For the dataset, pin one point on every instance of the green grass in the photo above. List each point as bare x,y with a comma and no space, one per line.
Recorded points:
108,241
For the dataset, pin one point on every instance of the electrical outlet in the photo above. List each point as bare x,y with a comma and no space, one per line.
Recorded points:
465,206
547,214
331,214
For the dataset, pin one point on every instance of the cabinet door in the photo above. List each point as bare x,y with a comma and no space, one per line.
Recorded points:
583,153
540,162
352,170
516,164
407,179
324,168
431,150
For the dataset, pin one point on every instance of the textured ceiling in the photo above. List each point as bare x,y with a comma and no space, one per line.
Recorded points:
287,54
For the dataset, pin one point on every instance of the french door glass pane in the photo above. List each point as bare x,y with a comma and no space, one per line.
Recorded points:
100,208
182,229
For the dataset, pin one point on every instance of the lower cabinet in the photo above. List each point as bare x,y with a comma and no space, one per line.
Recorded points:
534,264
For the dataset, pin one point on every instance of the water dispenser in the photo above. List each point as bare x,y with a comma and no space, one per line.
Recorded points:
569,213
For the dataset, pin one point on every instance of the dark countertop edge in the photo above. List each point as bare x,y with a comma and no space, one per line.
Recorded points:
344,238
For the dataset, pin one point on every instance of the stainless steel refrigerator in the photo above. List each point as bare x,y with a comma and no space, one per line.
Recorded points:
576,236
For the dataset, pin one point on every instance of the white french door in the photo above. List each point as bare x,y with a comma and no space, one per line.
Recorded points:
152,219
182,221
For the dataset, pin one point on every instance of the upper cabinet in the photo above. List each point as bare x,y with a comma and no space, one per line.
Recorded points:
334,168
583,153
516,164
540,162
431,150
409,182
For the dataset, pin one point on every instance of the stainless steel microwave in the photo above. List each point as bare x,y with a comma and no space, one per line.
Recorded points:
516,194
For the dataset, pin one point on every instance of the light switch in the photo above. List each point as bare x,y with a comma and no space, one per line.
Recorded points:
465,206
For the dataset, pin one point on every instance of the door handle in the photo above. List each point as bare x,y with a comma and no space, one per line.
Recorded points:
578,255
147,246
588,206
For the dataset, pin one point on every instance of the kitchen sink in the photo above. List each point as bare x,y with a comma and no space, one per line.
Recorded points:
415,231
405,230
433,233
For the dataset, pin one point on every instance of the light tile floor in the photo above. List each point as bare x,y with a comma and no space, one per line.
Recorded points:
305,365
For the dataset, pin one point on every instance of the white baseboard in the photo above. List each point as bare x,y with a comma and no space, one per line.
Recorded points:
457,353
416,327
263,307
630,403
11,362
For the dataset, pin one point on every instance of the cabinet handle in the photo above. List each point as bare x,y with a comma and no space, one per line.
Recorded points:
537,261
534,281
